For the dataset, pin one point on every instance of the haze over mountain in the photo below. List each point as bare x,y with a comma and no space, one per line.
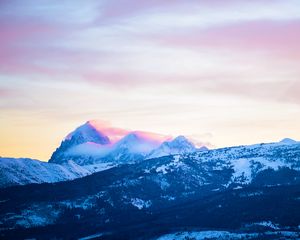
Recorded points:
87,144
178,145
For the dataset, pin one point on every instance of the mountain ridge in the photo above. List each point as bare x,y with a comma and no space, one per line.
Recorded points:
88,145
14,172
199,189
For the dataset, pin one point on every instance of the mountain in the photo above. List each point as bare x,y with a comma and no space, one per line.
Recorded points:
246,189
87,145
93,157
178,145
130,149
81,136
22,171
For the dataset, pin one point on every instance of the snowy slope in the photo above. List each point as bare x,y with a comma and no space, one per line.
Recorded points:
245,162
205,184
21,171
225,235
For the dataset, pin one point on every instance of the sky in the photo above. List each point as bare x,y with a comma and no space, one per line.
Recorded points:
221,72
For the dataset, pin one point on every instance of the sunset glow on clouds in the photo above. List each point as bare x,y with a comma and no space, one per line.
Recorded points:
223,72
115,134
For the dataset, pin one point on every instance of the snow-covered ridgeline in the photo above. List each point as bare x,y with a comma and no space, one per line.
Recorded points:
21,171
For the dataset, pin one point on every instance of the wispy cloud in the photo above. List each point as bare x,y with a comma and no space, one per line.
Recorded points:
279,38
5,92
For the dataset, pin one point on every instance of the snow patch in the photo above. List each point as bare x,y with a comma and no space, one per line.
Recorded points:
169,198
92,236
242,170
163,169
268,224
140,204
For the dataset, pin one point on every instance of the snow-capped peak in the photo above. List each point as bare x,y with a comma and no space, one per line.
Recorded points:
181,142
87,133
84,134
178,145
136,142
130,138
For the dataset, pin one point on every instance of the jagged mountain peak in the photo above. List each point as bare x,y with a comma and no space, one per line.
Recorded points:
88,133
131,138
181,140
136,142
178,145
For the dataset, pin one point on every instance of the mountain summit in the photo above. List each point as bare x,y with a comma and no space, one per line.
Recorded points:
85,133
176,146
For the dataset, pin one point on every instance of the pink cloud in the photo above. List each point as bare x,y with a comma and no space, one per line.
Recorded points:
22,45
120,79
125,8
290,92
4,92
13,31
24,48
278,37
116,78
115,10
115,133
153,136
281,91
